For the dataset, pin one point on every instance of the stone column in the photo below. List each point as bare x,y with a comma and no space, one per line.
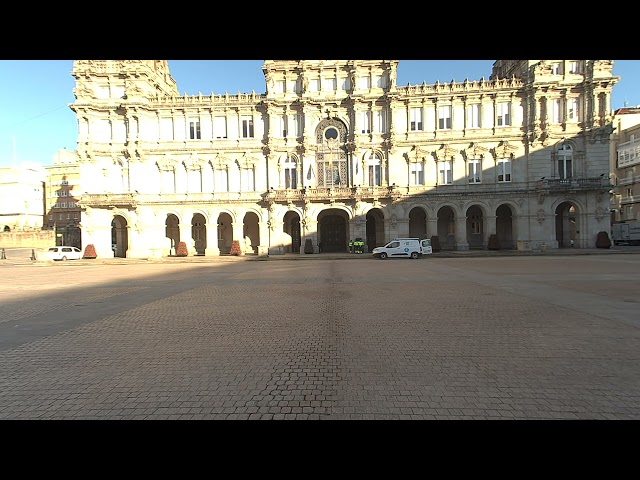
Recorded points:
489,228
186,237
432,226
310,231
461,232
263,247
238,231
212,250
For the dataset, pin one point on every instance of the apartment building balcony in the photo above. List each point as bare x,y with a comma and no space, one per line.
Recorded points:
629,180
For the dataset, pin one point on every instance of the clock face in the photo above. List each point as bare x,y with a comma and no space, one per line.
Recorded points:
331,133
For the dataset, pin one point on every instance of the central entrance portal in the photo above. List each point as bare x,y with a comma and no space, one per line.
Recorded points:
333,232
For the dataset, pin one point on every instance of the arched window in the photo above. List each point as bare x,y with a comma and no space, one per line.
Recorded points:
290,173
374,164
565,161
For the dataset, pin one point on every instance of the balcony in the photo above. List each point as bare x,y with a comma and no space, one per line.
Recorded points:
574,184
108,199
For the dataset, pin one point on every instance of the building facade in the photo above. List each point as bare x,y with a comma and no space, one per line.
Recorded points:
62,212
625,165
335,150
22,198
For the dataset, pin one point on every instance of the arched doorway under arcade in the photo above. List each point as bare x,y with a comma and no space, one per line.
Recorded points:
225,233
447,228
291,229
475,227
567,225
250,233
375,229
504,227
199,233
119,236
418,223
172,232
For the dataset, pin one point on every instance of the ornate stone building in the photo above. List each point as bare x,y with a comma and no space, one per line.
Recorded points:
335,150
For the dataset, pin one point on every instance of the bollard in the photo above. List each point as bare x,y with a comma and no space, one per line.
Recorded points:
33,254
4,255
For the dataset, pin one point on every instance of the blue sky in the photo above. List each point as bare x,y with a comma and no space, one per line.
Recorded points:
36,121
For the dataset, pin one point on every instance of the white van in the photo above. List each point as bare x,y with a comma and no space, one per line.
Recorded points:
64,253
404,247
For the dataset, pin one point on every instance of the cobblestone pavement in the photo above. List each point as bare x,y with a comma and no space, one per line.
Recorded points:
533,337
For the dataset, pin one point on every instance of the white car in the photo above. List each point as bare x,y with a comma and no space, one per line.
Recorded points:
64,253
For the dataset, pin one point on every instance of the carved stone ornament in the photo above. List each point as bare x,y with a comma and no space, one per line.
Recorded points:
541,216
541,197
600,213
475,151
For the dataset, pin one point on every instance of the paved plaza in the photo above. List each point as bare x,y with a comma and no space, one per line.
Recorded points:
505,337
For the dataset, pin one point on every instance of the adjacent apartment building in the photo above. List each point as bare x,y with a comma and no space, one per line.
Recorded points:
62,212
335,149
625,165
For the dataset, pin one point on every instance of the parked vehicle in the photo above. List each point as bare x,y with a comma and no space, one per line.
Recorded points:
626,233
404,248
64,253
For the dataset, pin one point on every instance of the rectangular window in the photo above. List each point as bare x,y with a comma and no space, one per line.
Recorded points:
247,127
374,175
445,174
75,216
415,119
444,117
280,86
297,124
574,67
314,85
417,173
504,170
475,171
281,131
194,130
473,117
556,110
381,121
329,85
346,84
365,122
556,68
63,205
380,81
247,180
166,128
565,169
68,216
222,181
220,127
364,83
56,205
504,114
573,111
290,177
